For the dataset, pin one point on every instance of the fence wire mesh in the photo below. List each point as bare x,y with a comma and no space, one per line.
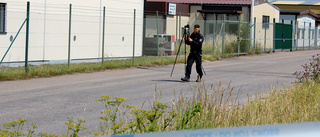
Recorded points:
157,35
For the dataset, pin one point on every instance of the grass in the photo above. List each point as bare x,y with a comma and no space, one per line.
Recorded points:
8,73
217,107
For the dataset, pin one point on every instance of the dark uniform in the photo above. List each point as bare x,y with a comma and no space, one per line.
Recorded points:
194,55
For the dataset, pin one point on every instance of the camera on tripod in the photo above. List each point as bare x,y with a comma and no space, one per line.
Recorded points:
186,31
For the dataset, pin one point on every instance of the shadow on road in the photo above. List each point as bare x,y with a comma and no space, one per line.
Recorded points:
170,81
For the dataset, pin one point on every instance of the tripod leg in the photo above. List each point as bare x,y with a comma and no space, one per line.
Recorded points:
177,56
203,70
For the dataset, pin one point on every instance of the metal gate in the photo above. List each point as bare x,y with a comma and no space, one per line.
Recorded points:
282,36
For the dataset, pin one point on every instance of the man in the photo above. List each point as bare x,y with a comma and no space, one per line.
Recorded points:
195,41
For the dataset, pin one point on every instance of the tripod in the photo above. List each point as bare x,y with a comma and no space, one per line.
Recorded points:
185,51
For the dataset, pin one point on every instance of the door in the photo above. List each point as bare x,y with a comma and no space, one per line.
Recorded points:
282,36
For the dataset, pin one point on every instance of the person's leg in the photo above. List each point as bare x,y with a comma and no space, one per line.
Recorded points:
188,68
189,65
199,66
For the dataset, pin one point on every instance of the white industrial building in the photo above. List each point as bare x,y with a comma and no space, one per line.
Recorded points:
49,29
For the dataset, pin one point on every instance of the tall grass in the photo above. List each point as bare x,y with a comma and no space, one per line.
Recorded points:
208,107
296,103
218,106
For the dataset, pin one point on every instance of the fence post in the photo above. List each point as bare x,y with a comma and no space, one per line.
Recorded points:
282,34
304,30
274,26
254,34
297,37
265,36
239,35
134,35
177,21
316,37
223,32
179,28
157,33
249,36
292,35
69,40
103,31
27,37
213,32
196,17
309,36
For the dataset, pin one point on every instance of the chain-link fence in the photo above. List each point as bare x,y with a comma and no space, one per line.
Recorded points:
306,37
226,36
61,30
80,32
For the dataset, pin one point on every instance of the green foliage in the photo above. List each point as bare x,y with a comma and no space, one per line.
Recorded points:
114,115
149,120
244,34
74,128
255,50
231,47
189,114
17,128
46,135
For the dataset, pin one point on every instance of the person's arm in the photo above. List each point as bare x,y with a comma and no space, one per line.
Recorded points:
197,42
187,41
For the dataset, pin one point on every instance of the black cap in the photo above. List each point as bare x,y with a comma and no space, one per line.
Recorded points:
196,26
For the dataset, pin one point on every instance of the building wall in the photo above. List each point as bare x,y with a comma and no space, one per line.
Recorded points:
306,30
49,28
168,25
287,19
167,22
196,17
301,19
244,16
173,24
268,10
265,31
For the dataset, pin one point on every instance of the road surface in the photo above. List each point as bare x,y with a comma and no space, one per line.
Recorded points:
49,101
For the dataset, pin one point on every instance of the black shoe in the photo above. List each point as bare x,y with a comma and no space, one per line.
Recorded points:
198,78
185,79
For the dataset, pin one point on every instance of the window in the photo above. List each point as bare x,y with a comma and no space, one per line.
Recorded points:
265,21
2,17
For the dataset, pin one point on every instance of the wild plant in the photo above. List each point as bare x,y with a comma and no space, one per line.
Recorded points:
74,128
41,134
311,71
114,115
150,120
17,129
189,114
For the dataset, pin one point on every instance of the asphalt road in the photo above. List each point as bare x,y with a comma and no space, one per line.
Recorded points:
49,101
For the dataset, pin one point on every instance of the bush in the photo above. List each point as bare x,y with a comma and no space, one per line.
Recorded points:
311,71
